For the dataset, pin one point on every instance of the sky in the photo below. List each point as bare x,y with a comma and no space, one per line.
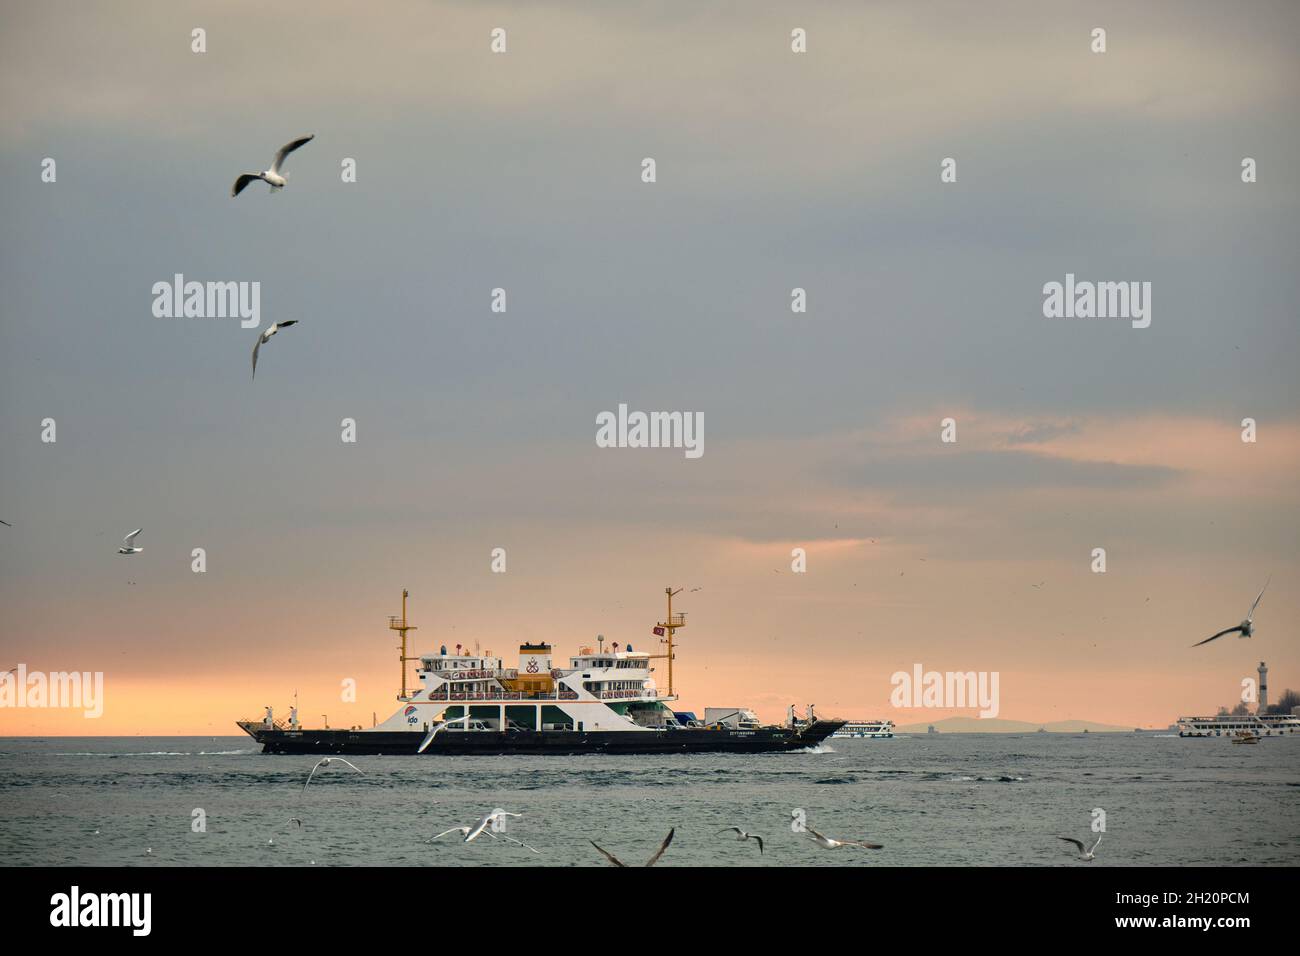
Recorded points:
476,429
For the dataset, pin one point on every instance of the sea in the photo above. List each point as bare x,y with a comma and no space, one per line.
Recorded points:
930,800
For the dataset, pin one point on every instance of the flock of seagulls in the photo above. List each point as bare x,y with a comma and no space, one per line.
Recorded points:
277,181
492,823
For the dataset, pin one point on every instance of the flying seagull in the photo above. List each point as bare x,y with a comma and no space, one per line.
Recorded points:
833,844
5,523
271,176
266,336
325,762
1247,627
470,834
487,821
130,543
1084,853
650,862
428,738
742,835
465,830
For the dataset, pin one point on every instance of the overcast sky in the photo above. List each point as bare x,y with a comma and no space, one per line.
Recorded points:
476,430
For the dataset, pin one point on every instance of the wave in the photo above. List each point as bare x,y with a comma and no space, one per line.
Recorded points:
154,753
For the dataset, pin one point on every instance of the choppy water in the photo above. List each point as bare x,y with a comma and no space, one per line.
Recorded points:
931,800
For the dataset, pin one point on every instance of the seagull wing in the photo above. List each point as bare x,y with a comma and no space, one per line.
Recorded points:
607,855
1077,843
1097,844
760,844
1217,636
729,830
312,774
288,148
130,538
1251,615
256,346
348,764
460,830
823,840
662,846
867,845
518,843
241,182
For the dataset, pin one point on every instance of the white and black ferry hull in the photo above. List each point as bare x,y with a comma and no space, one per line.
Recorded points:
558,742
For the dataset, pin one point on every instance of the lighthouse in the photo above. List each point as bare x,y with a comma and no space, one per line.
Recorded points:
1263,689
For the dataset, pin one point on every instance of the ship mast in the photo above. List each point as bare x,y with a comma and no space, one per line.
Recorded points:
673,622
399,624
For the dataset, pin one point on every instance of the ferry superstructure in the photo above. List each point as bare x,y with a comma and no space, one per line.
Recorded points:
866,728
604,701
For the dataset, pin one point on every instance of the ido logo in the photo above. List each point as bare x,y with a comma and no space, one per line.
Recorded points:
412,714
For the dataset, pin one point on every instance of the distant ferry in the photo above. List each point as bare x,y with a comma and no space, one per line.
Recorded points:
604,701
1226,725
866,728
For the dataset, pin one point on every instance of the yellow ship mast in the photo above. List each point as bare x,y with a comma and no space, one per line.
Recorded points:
673,622
399,624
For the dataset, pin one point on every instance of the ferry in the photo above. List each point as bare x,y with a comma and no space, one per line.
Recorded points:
604,701
1226,725
866,728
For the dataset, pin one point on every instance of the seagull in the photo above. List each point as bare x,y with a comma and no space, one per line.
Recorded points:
742,835
471,834
130,543
466,830
650,862
1247,627
297,821
266,336
497,814
325,762
1084,853
832,844
271,176
432,734
5,523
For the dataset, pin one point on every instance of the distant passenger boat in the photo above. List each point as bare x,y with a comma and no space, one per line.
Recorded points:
866,728
1227,725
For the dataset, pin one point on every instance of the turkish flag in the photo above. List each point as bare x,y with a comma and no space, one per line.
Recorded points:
659,631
